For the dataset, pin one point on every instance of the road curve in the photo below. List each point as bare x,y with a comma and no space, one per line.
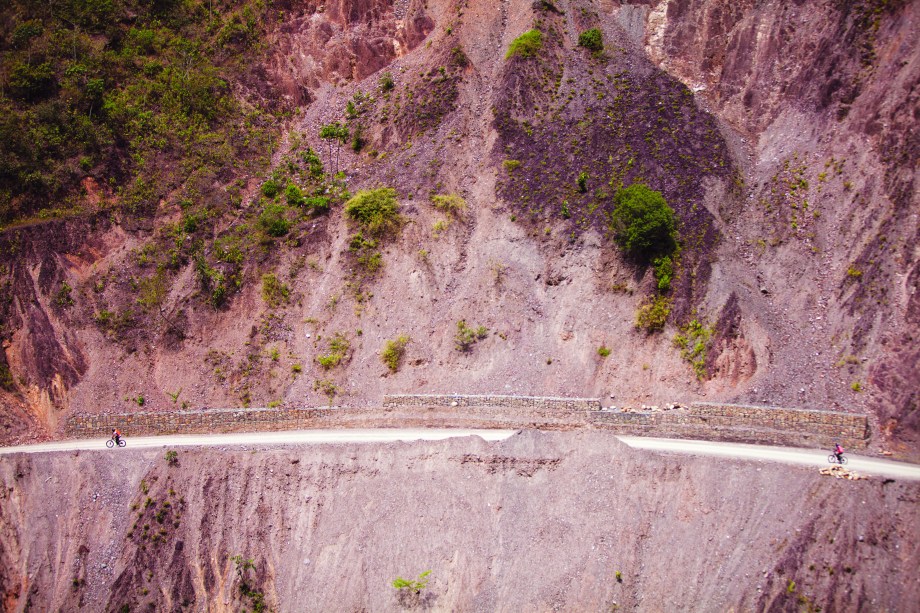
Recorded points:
788,455
381,435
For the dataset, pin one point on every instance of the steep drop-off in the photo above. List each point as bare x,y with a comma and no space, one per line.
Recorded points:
537,522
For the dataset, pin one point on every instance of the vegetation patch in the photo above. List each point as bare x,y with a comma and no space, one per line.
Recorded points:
274,292
376,211
526,45
393,352
467,336
450,204
652,315
642,222
693,342
338,351
592,40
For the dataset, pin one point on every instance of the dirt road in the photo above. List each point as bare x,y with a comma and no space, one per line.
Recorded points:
270,438
806,457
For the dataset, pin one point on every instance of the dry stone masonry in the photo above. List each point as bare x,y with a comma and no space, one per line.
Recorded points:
707,421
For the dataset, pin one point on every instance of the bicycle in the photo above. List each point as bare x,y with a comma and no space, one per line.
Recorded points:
833,459
111,442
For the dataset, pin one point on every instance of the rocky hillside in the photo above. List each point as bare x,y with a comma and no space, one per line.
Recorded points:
539,521
203,255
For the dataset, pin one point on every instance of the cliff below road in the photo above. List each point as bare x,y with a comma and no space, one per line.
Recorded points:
539,521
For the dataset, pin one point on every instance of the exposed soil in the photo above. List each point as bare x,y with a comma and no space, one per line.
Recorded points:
784,135
540,521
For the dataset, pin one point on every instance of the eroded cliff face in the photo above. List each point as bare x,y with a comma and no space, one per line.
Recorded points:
783,134
539,521
825,97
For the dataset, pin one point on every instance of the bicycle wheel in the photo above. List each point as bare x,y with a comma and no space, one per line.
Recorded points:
110,443
843,459
832,459
122,442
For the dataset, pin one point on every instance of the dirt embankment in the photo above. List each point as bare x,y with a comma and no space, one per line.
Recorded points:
536,522
795,181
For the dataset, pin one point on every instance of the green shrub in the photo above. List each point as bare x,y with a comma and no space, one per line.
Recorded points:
273,220
30,82
466,336
652,315
327,387
693,342
664,271
386,82
314,164
511,165
642,222
582,182
317,204
603,351
172,458
293,195
366,254
591,39
413,586
526,45
376,210
393,352
451,204
6,378
274,292
270,188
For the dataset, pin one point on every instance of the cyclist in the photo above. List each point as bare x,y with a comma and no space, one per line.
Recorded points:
116,435
838,451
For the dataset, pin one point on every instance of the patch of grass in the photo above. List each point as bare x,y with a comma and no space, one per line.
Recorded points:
693,342
511,165
327,387
466,336
338,349
386,82
393,352
172,457
603,351
296,369
854,273
439,226
274,292
526,45
856,386
450,204
652,315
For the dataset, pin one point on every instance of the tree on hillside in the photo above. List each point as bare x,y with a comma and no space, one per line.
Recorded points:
334,133
642,222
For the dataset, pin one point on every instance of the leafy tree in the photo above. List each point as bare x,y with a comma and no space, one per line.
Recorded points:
334,133
642,222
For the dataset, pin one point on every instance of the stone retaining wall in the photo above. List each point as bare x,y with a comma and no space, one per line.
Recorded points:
709,421
498,402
